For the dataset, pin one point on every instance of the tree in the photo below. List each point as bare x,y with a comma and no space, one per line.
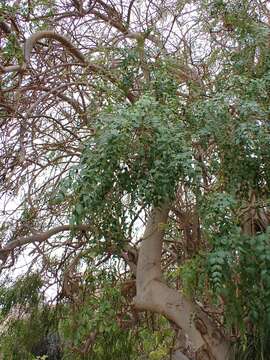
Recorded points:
135,150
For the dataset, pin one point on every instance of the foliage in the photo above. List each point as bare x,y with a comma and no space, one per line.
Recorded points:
25,293
27,320
170,104
97,316
106,322
136,156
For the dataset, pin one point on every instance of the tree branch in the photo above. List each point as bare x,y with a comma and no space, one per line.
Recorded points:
37,237
47,34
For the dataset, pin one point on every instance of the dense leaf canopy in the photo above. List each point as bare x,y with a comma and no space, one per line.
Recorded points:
111,112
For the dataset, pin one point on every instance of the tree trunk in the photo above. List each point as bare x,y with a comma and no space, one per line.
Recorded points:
154,295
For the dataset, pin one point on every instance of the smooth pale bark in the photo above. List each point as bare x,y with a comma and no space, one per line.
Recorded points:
154,295
179,356
37,237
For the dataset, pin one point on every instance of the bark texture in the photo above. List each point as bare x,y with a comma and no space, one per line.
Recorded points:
153,294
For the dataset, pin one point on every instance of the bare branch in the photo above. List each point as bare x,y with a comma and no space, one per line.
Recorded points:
32,40
38,237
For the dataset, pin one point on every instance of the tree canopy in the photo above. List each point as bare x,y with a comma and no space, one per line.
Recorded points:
134,179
